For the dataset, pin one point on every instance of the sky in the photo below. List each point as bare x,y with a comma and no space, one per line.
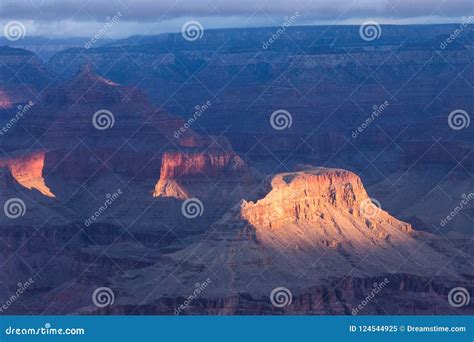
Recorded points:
81,18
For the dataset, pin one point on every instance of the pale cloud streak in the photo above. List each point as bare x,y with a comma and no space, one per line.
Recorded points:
80,18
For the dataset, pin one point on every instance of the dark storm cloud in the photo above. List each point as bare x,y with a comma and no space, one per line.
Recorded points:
153,10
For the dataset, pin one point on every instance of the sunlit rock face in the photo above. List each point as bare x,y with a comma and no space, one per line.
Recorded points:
328,207
312,228
27,170
212,169
313,231
182,173
327,213
160,64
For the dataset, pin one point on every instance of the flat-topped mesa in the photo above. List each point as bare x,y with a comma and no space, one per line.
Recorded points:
302,194
27,170
327,204
312,226
194,174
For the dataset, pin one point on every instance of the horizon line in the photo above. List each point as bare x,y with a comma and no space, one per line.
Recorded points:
236,28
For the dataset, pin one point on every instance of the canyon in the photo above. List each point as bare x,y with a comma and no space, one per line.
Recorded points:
309,208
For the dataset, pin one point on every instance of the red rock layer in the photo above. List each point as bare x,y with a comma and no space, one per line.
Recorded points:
28,171
329,206
182,171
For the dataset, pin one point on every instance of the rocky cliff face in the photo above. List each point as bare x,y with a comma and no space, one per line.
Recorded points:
312,228
314,89
328,207
27,170
399,54
314,231
297,197
88,87
138,152
202,174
